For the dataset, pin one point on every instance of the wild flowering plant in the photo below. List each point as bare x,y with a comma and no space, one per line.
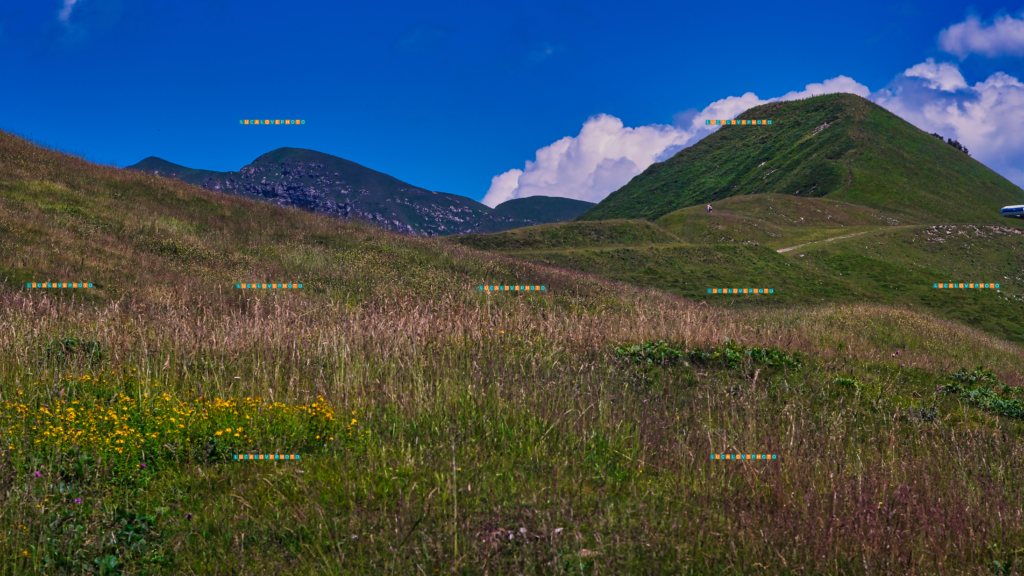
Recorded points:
96,427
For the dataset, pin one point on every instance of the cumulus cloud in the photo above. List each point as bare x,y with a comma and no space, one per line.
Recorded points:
987,117
942,76
589,166
65,12
606,154
839,84
1004,37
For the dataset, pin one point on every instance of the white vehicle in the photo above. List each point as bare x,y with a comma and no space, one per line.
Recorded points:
1013,211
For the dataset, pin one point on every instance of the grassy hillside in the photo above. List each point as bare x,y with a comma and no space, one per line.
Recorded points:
531,211
442,429
570,235
840,146
774,220
810,251
893,267
542,208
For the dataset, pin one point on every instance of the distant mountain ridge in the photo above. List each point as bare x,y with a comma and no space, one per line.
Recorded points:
839,146
327,184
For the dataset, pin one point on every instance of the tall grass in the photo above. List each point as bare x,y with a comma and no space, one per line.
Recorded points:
502,422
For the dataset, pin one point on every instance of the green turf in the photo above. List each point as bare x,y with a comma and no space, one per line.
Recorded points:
885,266
570,235
774,220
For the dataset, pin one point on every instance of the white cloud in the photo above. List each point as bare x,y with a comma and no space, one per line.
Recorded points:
503,187
1005,36
589,166
605,155
830,86
942,76
987,118
65,12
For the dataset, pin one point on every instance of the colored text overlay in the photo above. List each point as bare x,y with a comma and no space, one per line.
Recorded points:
58,285
512,288
268,286
269,122
737,122
966,285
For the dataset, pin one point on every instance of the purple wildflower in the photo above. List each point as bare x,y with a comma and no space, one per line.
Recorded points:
143,464
37,474
188,516
78,500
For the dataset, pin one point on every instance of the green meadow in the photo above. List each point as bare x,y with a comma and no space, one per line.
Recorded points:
444,430
809,251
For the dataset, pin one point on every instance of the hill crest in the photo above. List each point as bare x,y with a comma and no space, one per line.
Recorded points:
839,146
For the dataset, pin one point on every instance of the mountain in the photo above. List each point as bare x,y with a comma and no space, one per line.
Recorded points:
533,210
161,167
327,184
839,146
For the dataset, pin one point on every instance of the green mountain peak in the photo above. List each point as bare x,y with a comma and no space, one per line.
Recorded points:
839,146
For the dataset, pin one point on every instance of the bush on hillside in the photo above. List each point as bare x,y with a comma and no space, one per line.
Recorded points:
729,354
733,355
651,353
70,348
983,389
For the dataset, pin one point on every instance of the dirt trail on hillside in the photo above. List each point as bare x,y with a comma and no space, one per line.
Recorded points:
781,250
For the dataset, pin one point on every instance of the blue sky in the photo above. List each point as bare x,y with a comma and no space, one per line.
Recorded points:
448,96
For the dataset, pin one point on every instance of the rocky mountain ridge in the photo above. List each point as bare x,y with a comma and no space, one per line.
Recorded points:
329,185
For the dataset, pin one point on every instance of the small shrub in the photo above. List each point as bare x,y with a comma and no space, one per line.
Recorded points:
924,413
179,250
133,529
69,348
732,355
109,565
978,377
848,383
983,389
652,353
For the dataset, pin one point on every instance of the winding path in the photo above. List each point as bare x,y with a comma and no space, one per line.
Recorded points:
781,250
